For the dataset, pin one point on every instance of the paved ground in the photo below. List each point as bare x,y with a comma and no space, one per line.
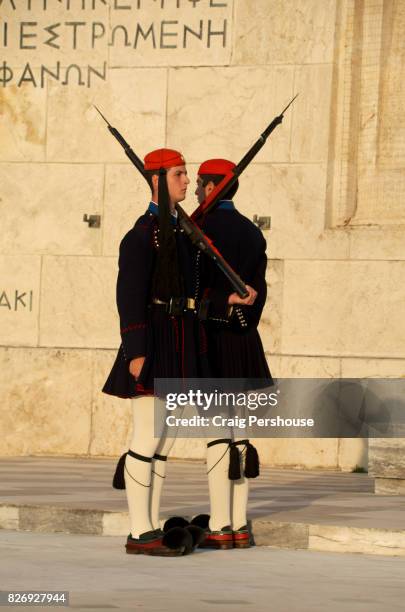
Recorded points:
318,497
100,576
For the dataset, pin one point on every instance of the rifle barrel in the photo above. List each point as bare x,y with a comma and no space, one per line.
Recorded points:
100,113
217,194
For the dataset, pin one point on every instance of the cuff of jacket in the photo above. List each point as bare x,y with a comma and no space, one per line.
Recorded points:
218,304
240,318
134,341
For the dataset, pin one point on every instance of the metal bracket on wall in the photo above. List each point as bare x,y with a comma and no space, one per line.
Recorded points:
92,220
264,223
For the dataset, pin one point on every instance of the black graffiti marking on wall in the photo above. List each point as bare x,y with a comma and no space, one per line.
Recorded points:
72,74
17,300
166,34
115,5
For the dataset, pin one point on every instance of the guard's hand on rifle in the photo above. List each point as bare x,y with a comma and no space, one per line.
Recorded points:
247,301
135,366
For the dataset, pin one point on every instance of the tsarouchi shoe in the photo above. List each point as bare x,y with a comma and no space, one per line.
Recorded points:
175,543
222,539
241,537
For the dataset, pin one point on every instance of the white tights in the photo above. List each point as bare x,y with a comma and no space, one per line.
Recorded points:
144,479
228,498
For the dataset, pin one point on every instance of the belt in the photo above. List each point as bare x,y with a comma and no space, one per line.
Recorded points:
178,305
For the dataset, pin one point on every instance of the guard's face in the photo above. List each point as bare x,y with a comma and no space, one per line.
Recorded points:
203,192
177,181
200,192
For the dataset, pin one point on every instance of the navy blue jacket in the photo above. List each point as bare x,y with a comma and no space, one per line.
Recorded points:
243,246
173,346
234,346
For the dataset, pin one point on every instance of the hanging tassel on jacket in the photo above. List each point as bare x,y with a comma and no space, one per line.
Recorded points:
234,462
119,480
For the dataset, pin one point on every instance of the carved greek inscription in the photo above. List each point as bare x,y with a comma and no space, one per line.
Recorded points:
68,75
16,300
24,27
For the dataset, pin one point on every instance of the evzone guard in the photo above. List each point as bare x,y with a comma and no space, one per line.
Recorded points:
162,337
234,345
235,351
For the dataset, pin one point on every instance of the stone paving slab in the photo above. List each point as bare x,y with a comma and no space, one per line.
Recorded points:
101,577
314,510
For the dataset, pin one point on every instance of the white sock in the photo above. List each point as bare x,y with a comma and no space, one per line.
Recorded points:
137,483
219,486
158,479
239,495
138,473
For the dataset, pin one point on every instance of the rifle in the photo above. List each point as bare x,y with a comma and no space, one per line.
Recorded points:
191,229
231,178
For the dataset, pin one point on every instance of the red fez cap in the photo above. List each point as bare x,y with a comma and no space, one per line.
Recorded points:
216,166
163,158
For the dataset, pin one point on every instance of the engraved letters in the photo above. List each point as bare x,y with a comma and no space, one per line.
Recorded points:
136,26
16,300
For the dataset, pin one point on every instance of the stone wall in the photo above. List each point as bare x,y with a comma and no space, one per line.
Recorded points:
204,76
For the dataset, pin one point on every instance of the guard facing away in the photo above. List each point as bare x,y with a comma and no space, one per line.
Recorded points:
161,338
234,349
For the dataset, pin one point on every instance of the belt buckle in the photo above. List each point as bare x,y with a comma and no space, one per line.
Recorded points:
177,306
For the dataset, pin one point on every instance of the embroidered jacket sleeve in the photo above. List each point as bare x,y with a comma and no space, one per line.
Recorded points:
133,288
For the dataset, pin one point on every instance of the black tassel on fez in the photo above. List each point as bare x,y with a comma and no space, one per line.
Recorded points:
251,461
119,480
234,463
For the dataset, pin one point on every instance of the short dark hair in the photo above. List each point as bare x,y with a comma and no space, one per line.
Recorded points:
216,179
148,176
